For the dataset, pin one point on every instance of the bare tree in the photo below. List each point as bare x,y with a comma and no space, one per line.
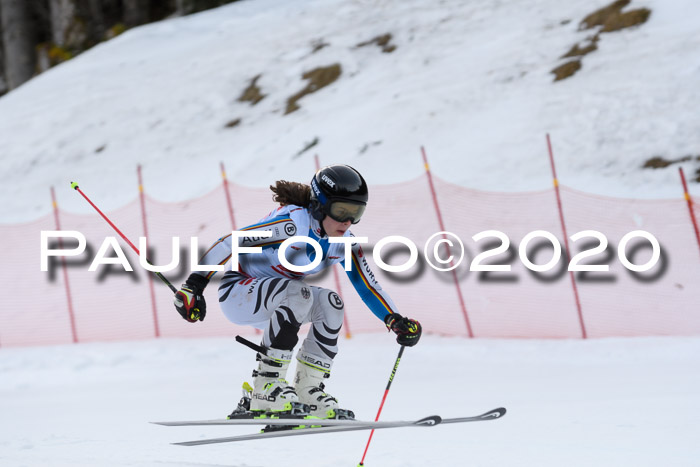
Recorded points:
3,82
19,39
136,12
98,27
38,34
162,9
186,7
63,14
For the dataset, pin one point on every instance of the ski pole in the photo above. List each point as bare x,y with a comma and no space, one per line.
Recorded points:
391,378
75,186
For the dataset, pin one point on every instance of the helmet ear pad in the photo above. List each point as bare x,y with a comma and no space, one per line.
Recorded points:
317,210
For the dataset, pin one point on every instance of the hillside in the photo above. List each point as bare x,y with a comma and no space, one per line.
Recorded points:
471,81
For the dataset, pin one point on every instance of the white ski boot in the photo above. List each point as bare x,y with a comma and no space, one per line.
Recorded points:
271,392
311,371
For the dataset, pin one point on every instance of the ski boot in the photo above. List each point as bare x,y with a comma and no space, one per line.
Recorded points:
311,371
270,395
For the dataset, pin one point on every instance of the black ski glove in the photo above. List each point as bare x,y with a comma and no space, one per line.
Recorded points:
189,301
407,331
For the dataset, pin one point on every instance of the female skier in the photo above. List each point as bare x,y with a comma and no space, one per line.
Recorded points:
264,294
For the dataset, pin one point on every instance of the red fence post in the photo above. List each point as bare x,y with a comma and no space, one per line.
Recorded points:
566,238
65,270
229,203
442,228
690,205
346,324
145,233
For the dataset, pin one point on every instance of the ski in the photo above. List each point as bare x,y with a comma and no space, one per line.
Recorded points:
490,415
427,421
336,426
281,421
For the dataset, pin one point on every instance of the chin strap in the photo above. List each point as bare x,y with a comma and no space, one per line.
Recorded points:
315,214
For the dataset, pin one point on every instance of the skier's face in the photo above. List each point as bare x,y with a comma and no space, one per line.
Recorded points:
334,228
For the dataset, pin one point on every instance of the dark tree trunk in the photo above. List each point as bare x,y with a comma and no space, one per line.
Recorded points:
136,12
186,7
62,13
98,26
162,9
42,19
3,81
19,40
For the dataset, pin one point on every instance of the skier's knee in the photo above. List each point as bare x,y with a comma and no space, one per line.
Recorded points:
332,308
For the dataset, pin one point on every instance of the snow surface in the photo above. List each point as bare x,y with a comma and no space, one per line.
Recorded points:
604,402
469,80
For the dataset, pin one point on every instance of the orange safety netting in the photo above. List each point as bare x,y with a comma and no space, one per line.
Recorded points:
114,305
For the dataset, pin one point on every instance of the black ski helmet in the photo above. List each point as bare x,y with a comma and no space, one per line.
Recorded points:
340,192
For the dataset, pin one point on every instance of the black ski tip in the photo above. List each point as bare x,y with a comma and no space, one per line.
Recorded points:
429,421
493,414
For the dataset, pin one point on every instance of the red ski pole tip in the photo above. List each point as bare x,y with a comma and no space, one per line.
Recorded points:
74,185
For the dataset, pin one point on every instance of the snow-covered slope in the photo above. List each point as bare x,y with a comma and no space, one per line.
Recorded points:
602,402
470,80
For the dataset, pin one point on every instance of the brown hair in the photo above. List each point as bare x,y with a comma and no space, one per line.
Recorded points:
286,193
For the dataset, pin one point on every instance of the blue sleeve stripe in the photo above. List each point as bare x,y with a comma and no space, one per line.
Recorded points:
275,220
367,293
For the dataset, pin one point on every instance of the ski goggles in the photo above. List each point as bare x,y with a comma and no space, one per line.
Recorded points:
343,211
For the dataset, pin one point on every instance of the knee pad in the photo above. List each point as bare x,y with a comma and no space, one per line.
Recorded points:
327,320
330,308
